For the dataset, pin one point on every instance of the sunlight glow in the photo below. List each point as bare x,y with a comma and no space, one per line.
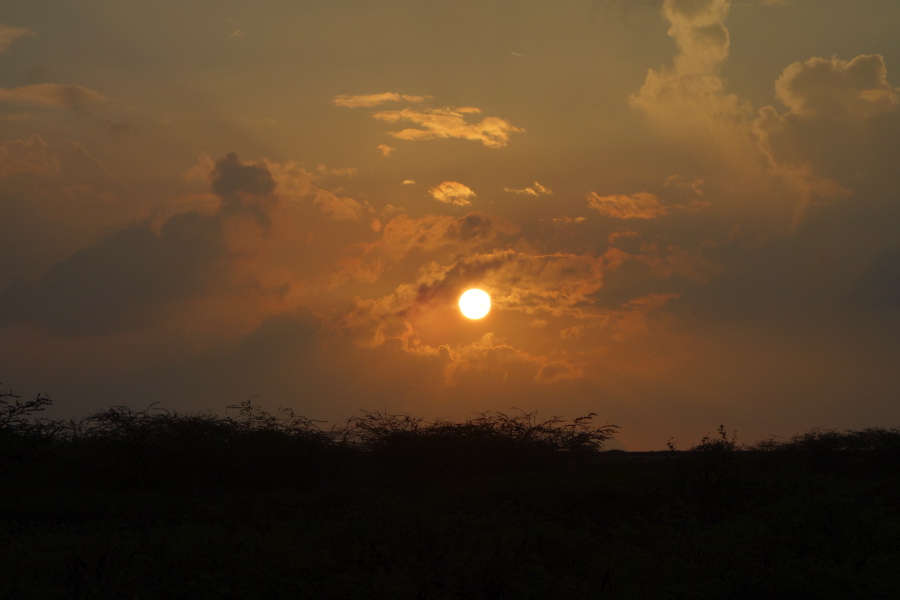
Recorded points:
475,304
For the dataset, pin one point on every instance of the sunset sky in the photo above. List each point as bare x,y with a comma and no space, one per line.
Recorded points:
686,212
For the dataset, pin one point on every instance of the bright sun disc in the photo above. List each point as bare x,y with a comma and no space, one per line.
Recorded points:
475,303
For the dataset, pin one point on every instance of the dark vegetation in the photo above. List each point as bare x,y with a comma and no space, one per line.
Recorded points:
148,504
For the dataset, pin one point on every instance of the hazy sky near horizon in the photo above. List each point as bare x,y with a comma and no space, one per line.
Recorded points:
686,211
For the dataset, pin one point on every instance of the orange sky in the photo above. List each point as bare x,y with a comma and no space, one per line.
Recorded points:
685,211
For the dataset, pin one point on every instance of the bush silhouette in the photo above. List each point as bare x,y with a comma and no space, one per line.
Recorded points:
152,503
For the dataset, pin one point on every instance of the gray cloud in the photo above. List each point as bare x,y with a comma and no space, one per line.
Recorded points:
131,276
54,200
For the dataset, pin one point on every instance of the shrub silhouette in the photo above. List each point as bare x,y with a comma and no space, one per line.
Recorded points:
22,434
155,447
152,503
490,442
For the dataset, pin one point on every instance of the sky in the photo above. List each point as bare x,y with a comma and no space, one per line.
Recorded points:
685,211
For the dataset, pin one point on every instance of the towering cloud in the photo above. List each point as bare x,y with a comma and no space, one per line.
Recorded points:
689,98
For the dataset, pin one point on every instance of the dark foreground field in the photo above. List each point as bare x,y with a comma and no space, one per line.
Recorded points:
151,504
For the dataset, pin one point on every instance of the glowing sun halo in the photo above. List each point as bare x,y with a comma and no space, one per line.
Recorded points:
475,304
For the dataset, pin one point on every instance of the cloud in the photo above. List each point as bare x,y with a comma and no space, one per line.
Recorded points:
369,100
839,129
339,208
130,277
680,182
404,234
442,123
54,200
8,35
552,285
689,98
452,192
536,190
837,89
385,150
642,205
53,95
295,183
27,157
546,304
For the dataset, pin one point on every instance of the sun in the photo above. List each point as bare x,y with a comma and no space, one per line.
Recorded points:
475,303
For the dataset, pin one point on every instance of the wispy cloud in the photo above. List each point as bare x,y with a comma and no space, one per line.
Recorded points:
53,95
8,35
450,122
369,100
642,205
536,190
567,219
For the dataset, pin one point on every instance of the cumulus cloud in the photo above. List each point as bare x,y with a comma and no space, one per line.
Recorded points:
339,208
690,98
53,95
297,184
837,89
642,205
827,138
441,123
536,190
452,192
8,35
385,150
369,100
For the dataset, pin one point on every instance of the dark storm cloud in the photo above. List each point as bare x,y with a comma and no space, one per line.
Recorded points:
132,275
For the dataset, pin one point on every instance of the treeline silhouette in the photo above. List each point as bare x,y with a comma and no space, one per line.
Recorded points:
254,504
